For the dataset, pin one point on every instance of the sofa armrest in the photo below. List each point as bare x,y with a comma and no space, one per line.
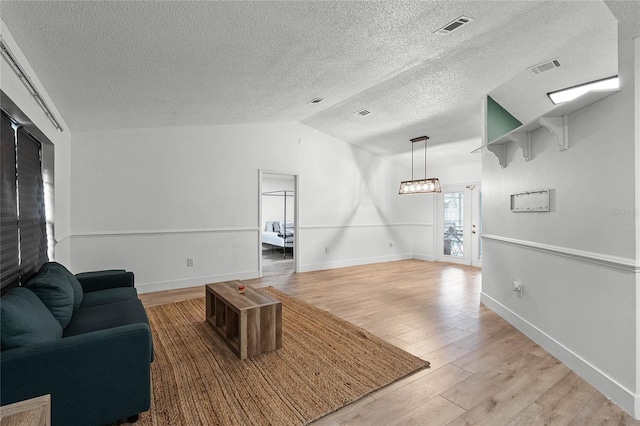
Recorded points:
93,378
102,280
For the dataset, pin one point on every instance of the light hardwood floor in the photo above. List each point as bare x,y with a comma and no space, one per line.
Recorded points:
274,263
483,371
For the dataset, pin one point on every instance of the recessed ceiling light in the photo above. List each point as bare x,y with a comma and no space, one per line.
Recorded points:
570,93
362,112
315,101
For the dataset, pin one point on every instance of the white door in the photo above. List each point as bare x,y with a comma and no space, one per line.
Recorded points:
459,225
476,225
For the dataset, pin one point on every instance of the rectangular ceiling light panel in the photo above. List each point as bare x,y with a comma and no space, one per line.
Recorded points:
571,93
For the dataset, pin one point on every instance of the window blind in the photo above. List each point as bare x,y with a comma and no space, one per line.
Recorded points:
9,252
32,222
23,226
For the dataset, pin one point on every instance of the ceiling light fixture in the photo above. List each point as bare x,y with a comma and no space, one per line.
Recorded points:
315,101
362,112
571,93
420,186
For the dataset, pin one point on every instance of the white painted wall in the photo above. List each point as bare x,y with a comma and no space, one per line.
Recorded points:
577,262
147,199
637,216
463,174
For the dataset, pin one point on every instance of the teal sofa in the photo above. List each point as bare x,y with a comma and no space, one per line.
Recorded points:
84,339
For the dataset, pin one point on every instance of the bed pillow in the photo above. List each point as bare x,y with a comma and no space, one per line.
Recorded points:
24,320
276,227
269,226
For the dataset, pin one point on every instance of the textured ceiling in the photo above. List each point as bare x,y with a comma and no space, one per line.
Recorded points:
179,63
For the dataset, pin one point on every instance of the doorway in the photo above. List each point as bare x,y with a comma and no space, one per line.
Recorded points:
278,214
460,220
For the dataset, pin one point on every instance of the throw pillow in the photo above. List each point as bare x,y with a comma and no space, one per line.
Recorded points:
24,320
78,293
52,287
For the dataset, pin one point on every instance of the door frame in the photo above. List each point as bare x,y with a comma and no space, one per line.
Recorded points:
476,219
470,215
296,203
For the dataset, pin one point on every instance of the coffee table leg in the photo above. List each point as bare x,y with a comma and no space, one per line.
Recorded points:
242,330
278,325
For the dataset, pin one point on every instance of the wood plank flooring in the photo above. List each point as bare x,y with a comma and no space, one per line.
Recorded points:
483,371
274,263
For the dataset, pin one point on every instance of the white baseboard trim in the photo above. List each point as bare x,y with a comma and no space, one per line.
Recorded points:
352,262
198,281
426,257
613,390
193,282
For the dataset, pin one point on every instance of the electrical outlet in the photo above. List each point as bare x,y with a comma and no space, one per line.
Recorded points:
189,261
326,249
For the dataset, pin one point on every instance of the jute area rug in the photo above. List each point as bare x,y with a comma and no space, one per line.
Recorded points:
325,363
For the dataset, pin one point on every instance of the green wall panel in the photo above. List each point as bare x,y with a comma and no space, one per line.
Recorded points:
499,121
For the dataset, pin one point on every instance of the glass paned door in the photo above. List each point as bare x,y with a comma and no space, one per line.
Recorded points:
453,243
459,220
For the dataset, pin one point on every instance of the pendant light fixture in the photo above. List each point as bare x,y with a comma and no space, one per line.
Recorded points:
420,186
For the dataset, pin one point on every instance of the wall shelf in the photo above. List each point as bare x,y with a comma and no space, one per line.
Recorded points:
555,121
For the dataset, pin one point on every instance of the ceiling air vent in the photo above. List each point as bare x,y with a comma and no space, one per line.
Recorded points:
454,25
315,101
362,112
545,66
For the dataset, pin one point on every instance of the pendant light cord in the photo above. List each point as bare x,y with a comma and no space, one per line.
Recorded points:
425,159
412,160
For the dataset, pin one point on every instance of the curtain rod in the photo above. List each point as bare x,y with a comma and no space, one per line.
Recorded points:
27,82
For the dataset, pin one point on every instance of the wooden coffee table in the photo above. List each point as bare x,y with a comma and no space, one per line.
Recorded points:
250,322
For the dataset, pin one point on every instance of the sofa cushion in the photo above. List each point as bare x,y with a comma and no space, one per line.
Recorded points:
25,320
55,291
102,317
75,284
103,297
102,280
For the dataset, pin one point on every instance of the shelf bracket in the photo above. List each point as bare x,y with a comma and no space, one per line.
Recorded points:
500,152
523,140
559,127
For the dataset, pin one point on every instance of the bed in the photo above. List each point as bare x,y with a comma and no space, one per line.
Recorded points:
276,235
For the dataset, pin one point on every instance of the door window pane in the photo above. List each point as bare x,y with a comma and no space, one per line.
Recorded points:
453,224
